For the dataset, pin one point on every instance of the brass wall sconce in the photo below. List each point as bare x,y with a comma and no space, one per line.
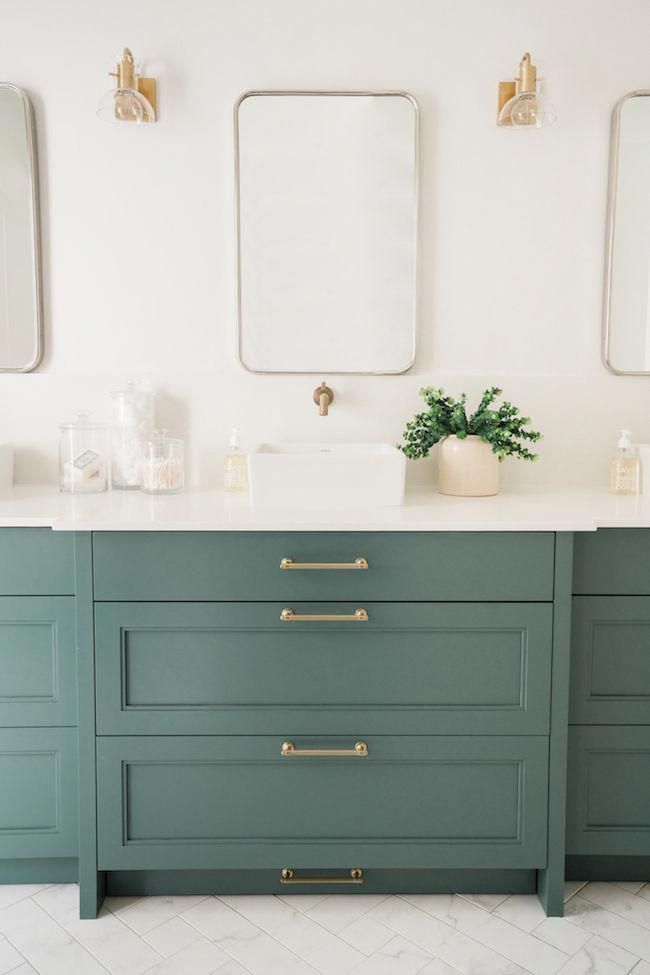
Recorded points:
520,101
134,97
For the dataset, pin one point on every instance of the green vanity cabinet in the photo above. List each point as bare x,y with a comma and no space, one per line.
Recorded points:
327,701
608,819
38,707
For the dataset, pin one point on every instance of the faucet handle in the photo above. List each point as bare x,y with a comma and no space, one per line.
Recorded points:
323,397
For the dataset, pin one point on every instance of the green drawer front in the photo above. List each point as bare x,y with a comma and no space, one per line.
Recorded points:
199,803
488,566
36,562
612,562
38,798
610,660
196,668
609,791
37,661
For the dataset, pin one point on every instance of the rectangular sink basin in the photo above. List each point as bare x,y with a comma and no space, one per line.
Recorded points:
327,475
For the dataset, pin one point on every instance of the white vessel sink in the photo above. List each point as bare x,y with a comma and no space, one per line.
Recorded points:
327,475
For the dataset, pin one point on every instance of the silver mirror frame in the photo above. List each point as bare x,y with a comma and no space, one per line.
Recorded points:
37,289
609,248
416,284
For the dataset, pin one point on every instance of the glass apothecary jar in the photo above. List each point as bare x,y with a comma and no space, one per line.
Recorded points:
131,422
163,464
83,452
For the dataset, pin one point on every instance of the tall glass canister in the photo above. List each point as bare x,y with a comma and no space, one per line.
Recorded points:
131,422
83,454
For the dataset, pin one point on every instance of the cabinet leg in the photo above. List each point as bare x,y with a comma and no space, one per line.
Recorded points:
550,881
92,890
550,889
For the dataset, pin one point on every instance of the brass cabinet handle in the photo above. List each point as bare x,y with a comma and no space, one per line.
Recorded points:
360,750
359,616
287,877
288,563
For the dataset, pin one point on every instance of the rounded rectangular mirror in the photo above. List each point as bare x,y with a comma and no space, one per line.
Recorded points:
327,231
626,346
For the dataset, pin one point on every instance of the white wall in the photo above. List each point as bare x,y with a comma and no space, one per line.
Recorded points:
138,222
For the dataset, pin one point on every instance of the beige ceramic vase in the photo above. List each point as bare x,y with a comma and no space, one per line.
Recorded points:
467,468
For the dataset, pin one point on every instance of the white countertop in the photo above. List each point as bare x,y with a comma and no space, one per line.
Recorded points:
539,510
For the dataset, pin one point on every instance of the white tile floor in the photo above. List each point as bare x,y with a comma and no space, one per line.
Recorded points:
606,931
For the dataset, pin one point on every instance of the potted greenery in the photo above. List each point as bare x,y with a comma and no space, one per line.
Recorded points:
470,448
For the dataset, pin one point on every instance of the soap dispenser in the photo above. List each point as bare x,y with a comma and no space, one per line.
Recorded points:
625,468
235,468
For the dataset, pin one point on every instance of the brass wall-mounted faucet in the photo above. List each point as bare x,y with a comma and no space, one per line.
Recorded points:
323,397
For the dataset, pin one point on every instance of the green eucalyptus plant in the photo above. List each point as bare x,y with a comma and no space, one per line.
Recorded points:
503,428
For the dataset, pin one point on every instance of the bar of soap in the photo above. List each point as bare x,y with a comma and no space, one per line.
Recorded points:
85,466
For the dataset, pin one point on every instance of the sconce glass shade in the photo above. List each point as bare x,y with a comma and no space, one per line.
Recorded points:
527,108
125,105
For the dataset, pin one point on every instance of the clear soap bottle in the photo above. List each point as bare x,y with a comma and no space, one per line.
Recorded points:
235,466
625,468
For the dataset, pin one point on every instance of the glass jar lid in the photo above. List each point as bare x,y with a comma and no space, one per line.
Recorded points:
160,439
82,421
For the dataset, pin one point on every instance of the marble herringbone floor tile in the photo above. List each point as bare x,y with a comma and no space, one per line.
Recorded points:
606,931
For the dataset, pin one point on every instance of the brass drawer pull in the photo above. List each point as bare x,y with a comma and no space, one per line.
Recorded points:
360,750
288,877
288,563
359,616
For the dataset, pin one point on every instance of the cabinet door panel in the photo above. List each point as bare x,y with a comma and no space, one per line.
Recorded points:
610,660
36,562
476,566
38,798
609,791
237,668
37,661
237,803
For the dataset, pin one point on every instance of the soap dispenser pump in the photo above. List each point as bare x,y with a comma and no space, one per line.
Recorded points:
625,468
235,468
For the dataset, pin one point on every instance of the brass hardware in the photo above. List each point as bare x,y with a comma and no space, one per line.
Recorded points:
288,877
527,79
360,750
323,397
147,88
359,616
507,90
288,563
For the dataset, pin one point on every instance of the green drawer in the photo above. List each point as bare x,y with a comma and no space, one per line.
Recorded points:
36,562
608,809
37,661
612,562
610,660
237,803
38,798
237,668
444,566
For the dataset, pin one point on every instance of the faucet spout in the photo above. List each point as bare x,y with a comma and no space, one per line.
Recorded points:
323,397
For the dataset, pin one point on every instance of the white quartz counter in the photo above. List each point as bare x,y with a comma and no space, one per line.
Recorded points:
542,510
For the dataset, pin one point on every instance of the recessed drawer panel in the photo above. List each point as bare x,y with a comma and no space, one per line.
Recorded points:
612,562
36,562
610,660
238,668
37,661
478,566
200,803
609,791
38,798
